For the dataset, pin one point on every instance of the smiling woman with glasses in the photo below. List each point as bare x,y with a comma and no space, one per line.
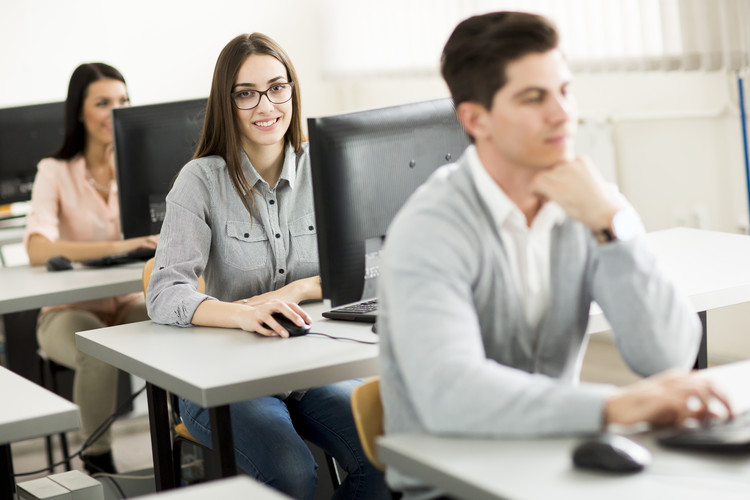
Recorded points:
240,214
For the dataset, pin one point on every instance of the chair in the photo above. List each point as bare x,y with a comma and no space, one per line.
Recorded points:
368,417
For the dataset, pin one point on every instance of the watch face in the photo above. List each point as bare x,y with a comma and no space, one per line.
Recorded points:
626,224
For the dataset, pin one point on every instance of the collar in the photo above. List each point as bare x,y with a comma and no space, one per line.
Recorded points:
78,166
501,207
288,169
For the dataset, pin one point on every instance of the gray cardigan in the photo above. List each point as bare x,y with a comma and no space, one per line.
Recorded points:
457,356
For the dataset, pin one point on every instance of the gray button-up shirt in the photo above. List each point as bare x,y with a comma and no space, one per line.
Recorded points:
208,231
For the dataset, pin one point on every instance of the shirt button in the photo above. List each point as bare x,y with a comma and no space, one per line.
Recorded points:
247,235
281,271
271,202
278,235
310,228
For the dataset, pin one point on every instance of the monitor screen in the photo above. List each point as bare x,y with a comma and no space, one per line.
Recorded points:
27,134
152,144
364,167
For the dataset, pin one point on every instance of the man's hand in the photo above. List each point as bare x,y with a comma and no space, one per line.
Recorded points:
668,399
581,192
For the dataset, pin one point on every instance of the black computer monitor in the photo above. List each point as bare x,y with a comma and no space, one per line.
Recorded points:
364,167
152,144
27,134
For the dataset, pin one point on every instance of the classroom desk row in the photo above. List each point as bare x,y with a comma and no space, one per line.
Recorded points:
709,266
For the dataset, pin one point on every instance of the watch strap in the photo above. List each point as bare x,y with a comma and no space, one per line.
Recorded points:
604,235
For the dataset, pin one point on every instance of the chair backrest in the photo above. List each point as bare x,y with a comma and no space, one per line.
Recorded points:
146,277
368,417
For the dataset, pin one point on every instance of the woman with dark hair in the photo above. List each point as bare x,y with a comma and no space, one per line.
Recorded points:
241,215
75,213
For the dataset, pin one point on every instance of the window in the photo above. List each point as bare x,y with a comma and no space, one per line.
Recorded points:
406,37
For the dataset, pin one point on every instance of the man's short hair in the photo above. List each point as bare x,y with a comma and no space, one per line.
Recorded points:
476,56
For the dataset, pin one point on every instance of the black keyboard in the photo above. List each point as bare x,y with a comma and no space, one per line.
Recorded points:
724,435
137,255
364,310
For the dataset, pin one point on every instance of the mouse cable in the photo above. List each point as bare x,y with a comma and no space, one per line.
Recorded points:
342,338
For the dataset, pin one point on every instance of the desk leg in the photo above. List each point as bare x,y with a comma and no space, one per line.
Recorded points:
7,482
702,360
222,440
161,439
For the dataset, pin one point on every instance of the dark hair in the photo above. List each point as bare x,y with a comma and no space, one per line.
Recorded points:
221,134
476,56
75,131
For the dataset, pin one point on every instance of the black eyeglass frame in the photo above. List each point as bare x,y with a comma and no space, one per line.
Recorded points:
262,93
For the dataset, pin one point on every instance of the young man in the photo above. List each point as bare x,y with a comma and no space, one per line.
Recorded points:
490,268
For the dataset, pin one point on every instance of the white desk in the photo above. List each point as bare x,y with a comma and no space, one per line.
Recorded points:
711,268
217,366
28,411
234,487
11,234
542,468
27,287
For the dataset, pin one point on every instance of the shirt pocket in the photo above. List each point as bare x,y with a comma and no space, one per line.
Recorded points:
246,245
304,238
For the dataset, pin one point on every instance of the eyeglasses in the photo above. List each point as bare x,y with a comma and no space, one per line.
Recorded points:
278,93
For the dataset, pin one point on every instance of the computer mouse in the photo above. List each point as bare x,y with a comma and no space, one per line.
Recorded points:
58,263
294,329
610,452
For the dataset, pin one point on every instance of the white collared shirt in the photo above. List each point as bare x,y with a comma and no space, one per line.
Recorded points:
528,248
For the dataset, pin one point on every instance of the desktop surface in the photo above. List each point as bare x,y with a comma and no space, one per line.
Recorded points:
542,468
35,287
232,488
709,267
485,468
215,366
30,410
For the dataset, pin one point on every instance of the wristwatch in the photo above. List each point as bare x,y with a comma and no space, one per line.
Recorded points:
625,226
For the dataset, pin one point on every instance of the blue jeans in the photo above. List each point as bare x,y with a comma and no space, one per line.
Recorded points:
268,439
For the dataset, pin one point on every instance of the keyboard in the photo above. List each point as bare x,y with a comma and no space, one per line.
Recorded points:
364,310
724,435
137,255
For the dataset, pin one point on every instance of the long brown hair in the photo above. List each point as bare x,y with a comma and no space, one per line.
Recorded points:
75,131
221,134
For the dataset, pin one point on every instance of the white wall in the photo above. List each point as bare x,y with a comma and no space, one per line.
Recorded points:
677,135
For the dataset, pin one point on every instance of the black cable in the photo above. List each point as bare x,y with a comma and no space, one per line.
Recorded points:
117,486
93,437
342,338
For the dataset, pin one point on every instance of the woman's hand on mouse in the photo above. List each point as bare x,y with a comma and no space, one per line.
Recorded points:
258,318
671,398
